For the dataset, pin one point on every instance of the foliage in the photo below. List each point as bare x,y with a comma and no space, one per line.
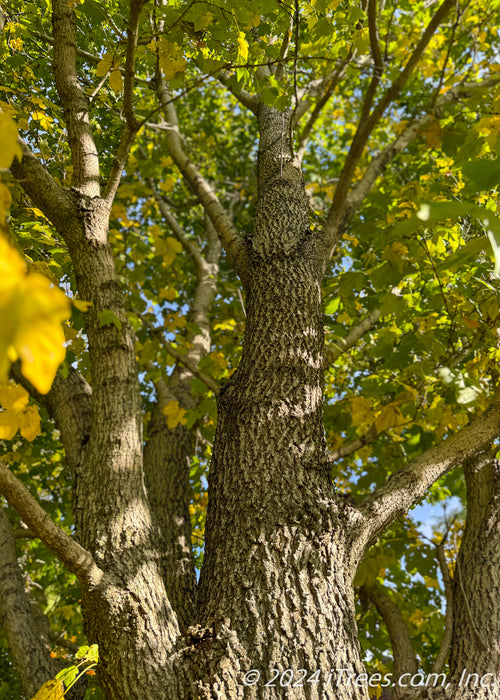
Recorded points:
423,248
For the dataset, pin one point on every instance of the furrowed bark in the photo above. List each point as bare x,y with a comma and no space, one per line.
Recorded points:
74,101
168,453
28,646
113,517
475,647
274,525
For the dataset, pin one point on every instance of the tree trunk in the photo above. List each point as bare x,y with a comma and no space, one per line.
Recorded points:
475,650
29,648
128,614
275,591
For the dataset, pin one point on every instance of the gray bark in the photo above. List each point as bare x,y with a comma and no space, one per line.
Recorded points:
475,645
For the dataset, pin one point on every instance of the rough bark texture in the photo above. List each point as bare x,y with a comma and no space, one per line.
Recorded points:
274,571
476,632
29,648
112,512
281,549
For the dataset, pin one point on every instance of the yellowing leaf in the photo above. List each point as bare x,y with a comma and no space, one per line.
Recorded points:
9,147
171,58
175,414
5,202
51,690
116,80
167,185
242,48
104,65
81,305
431,582
361,410
168,294
9,425
29,423
14,396
172,247
32,311
389,417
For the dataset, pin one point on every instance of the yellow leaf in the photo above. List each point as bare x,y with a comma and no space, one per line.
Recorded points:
388,418
361,410
5,202
29,423
9,424
9,147
82,306
431,582
242,48
175,414
171,58
168,294
51,690
32,310
167,185
104,65
14,397
172,247
116,80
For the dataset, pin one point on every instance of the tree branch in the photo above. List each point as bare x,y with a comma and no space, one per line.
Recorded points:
245,98
355,333
378,67
53,200
366,127
328,88
74,101
232,242
183,359
72,555
405,659
131,124
337,219
376,512
445,645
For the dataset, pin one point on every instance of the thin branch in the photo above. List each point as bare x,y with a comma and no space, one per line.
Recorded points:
231,240
183,359
337,219
245,98
74,101
176,228
366,128
404,488
328,88
91,57
378,67
72,555
354,446
132,125
355,333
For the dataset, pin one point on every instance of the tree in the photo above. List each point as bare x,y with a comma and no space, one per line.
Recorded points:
343,155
